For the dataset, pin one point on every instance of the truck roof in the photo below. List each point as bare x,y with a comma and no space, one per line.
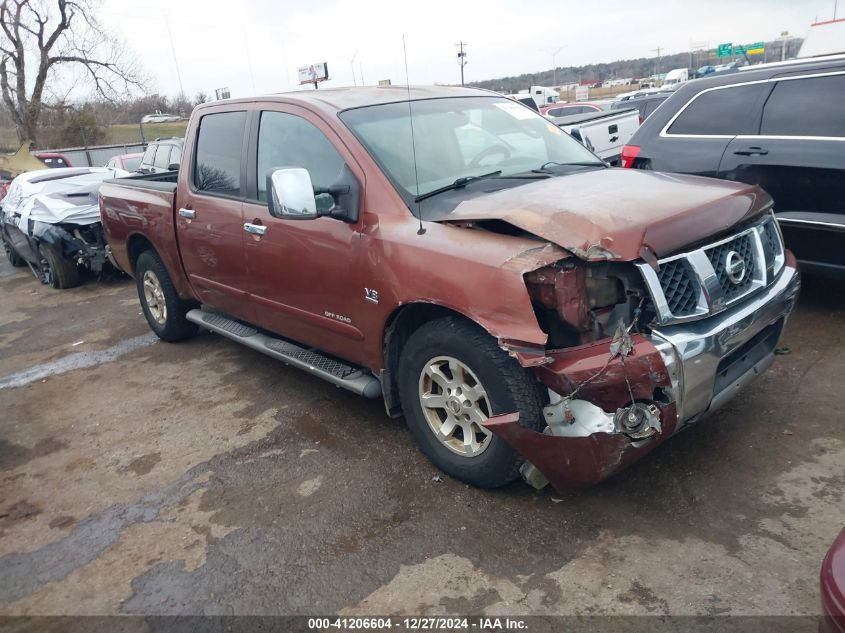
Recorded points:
338,99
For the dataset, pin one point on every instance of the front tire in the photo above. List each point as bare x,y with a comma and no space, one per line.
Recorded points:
452,377
57,272
163,308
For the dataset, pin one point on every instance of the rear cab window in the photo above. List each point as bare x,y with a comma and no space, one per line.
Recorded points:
219,154
723,111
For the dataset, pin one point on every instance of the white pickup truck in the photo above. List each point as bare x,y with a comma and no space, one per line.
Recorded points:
603,133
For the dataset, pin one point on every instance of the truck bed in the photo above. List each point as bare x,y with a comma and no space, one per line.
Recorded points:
140,205
165,181
602,132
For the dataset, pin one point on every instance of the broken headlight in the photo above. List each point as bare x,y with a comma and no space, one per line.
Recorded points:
603,292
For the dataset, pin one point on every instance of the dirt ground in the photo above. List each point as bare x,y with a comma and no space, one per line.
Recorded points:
140,477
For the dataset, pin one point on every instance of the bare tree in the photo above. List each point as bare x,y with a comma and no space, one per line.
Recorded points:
39,36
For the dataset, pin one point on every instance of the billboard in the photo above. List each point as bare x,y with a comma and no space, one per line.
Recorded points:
313,73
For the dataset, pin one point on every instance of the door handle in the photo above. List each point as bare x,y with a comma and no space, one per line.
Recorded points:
751,151
255,229
188,214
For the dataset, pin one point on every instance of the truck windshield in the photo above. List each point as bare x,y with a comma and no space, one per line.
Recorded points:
460,138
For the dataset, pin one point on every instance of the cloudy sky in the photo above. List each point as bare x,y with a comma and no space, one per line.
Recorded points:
255,46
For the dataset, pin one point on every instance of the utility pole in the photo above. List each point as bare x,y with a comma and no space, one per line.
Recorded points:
553,52
784,38
657,65
173,51
352,66
462,59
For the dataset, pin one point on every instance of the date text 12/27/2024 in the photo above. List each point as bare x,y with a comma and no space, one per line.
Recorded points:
418,624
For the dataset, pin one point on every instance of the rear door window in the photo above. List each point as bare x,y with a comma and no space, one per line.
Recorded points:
720,112
806,107
219,154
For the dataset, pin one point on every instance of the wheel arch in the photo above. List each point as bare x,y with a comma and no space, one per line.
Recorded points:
135,245
138,243
398,328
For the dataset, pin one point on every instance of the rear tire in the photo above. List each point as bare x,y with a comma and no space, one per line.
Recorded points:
481,381
164,309
14,259
58,272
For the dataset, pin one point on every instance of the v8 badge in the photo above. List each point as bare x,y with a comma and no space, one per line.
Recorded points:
371,295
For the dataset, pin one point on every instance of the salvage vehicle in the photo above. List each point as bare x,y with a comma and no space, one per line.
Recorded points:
126,162
780,126
50,222
578,107
53,160
527,308
645,104
603,133
161,155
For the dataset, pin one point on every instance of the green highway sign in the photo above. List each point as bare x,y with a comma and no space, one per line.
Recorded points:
750,49
729,50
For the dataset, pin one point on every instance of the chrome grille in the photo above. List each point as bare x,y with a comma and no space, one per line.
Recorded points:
678,284
705,281
718,256
772,239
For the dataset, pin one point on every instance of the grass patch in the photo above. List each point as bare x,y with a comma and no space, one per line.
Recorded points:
131,133
115,134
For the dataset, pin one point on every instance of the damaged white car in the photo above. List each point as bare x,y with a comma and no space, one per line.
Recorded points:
50,221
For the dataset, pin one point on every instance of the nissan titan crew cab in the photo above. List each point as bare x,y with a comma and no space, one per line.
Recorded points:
528,309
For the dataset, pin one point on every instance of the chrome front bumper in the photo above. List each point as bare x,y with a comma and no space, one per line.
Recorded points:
711,359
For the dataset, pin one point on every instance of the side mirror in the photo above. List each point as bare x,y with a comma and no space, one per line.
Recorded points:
173,167
292,196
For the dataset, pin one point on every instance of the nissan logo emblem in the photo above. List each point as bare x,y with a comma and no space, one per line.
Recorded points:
735,268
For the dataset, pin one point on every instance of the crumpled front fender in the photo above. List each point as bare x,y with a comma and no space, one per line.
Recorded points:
572,463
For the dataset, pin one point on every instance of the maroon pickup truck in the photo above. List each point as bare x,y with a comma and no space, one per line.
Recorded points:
526,308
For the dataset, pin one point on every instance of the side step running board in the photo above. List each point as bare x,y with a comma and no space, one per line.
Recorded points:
354,379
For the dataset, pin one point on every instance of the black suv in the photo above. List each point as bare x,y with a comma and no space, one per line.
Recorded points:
163,154
781,126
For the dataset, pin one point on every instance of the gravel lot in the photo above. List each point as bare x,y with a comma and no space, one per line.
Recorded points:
140,477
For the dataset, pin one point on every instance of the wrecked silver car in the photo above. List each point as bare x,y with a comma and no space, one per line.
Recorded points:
50,221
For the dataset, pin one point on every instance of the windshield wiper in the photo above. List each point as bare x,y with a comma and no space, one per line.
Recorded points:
463,181
592,163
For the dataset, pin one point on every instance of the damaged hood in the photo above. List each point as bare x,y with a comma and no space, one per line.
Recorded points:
611,214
